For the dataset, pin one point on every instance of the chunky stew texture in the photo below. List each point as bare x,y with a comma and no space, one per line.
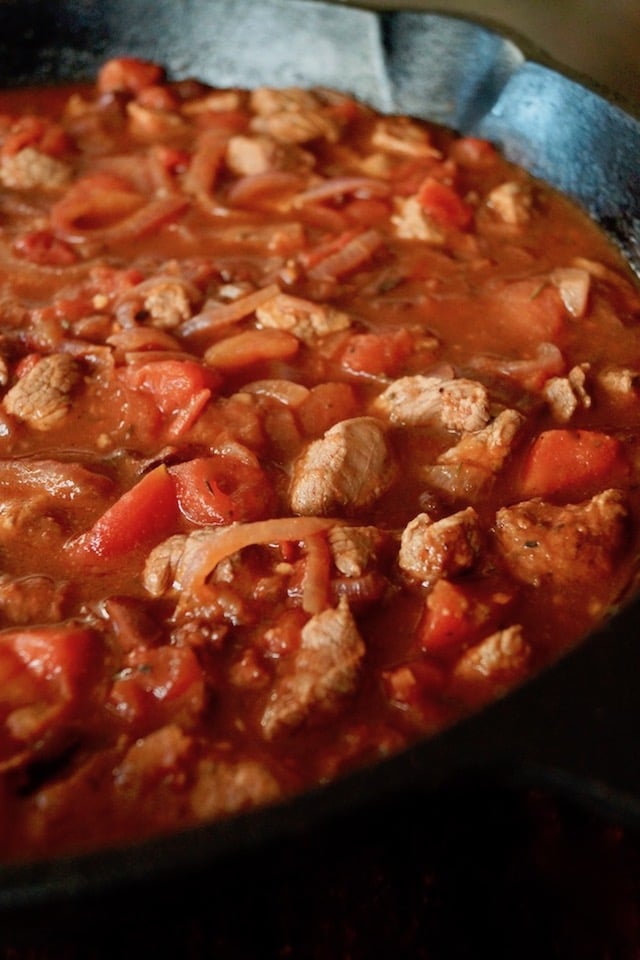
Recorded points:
318,431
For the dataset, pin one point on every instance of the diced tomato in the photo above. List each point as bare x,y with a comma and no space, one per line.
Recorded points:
456,615
26,364
528,311
377,353
171,383
572,463
326,404
142,516
44,135
61,654
444,205
221,489
41,247
158,686
128,75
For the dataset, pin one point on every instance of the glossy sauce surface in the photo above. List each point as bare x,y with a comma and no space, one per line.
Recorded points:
318,430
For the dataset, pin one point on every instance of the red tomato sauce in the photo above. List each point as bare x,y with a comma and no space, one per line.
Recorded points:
318,431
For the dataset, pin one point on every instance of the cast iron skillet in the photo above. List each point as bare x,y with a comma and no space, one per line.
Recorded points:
576,728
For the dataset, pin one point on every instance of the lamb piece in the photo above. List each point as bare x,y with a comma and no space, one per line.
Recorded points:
464,471
619,381
354,548
565,544
304,318
511,202
420,400
403,136
492,667
464,406
42,397
323,671
154,774
162,564
248,155
222,787
167,304
266,101
34,599
442,548
350,467
29,169
410,222
487,448
293,116
565,394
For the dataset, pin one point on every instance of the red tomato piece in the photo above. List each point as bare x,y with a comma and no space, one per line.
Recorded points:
171,383
377,353
158,686
41,247
142,516
221,489
456,615
63,655
572,463
326,405
444,205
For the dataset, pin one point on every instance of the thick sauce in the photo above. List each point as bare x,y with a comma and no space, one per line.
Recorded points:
318,430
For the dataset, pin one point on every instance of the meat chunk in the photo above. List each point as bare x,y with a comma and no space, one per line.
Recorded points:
323,671
293,116
511,202
444,548
492,667
222,787
410,222
354,548
304,318
29,169
350,467
463,471
258,153
565,544
167,304
619,381
487,448
34,599
162,563
402,136
420,400
566,394
42,397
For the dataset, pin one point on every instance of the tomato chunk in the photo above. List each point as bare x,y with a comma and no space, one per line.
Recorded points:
158,686
221,489
141,517
456,615
171,383
572,463
443,204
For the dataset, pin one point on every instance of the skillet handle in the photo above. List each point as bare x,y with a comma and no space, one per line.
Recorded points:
574,729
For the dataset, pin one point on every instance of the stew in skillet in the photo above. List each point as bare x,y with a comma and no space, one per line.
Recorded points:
318,430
